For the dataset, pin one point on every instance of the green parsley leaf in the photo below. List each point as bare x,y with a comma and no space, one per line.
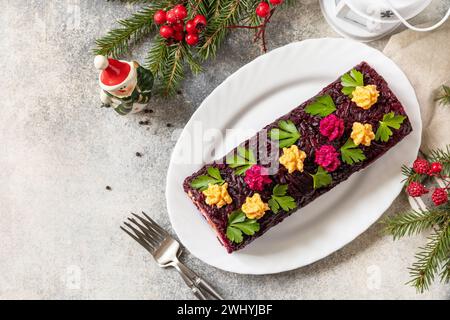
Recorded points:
214,172
390,120
249,227
238,223
280,190
234,234
286,133
202,182
236,217
274,206
322,106
350,81
321,178
279,199
242,161
350,153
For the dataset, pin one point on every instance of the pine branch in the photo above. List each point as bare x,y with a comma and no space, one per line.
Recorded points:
430,259
442,156
227,14
192,62
130,1
157,56
411,175
445,273
168,63
413,222
434,258
444,97
198,7
118,41
172,71
250,17
167,60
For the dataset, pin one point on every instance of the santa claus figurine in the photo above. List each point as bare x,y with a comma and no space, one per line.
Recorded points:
126,86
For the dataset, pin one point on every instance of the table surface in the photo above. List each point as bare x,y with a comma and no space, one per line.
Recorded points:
60,226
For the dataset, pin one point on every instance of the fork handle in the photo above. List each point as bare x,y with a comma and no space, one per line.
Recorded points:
196,291
198,286
205,286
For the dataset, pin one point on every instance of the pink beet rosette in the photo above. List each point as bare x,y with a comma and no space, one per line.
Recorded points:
328,158
257,177
331,127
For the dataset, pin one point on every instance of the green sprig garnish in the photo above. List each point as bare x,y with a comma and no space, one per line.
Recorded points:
390,120
241,161
279,199
213,177
350,81
286,133
321,178
322,106
351,154
238,223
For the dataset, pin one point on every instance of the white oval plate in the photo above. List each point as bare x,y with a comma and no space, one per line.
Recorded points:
254,96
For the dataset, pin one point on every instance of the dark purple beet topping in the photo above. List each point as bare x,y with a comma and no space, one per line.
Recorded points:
300,184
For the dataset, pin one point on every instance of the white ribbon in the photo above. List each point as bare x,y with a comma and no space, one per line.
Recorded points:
410,26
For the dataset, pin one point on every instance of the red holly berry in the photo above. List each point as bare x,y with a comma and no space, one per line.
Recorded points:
180,11
171,16
276,2
263,9
166,32
178,35
439,196
179,26
421,166
435,168
200,22
160,17
416,189
191,39
190,27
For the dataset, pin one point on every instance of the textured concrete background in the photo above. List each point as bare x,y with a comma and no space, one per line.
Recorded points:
59,225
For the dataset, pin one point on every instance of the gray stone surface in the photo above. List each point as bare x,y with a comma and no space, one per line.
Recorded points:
59,232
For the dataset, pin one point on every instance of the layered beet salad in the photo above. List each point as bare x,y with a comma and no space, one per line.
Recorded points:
344,128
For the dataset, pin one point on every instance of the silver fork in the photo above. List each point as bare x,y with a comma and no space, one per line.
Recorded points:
166,250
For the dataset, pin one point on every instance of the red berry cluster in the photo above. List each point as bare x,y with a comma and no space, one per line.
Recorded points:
439,196
424,168
173,26
416,189
263,8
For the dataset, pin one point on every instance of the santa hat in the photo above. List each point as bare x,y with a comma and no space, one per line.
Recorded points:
114,74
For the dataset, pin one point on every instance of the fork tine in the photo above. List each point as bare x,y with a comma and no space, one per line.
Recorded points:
140,234
147,232
155,225
151,242
151,224
148,225
138,240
